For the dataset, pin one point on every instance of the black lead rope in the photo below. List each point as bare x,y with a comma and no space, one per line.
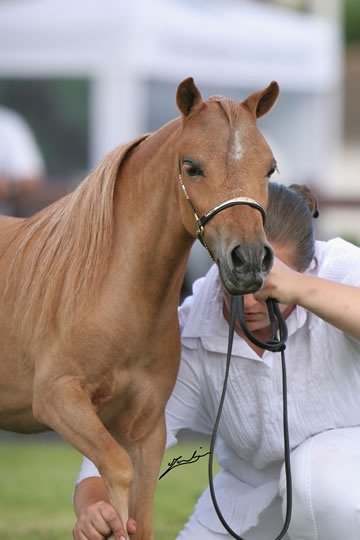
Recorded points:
277,323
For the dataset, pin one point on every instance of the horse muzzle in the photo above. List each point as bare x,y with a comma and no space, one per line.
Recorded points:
244,267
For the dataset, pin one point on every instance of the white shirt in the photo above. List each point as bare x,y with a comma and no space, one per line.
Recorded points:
323,373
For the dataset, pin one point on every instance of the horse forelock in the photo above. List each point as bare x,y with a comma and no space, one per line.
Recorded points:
64,250
231,109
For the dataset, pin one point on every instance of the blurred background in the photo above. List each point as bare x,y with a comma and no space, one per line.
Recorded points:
86,76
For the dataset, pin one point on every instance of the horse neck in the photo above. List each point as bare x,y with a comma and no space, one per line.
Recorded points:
151,242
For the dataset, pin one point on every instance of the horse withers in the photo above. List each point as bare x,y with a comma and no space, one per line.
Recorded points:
91,284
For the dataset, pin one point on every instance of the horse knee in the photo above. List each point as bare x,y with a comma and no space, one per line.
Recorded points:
326,486
116,468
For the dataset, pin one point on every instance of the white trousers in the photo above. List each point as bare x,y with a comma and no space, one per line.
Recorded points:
325,491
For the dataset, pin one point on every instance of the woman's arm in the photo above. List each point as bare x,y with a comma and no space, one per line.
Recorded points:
335,303
95,513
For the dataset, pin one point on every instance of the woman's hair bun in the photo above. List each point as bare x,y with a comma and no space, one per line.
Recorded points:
308,197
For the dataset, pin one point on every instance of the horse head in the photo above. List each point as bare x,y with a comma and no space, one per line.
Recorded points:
224,165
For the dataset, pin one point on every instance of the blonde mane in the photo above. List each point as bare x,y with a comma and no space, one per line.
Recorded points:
64,251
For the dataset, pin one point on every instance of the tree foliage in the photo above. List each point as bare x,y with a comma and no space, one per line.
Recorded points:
352,21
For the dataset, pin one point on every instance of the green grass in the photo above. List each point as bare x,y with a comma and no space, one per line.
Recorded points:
37,479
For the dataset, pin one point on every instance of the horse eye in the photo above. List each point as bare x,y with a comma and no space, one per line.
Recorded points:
191,169
271,172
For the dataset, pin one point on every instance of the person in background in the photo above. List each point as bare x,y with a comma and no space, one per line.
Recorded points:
22,168
317,284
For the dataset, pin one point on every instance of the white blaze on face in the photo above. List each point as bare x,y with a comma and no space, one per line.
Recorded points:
236,151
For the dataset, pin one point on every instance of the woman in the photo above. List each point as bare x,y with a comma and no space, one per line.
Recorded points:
317,285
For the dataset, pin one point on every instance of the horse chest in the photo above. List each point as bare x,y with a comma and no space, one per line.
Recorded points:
134,407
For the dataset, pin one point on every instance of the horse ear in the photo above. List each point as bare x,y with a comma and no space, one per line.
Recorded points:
188,97
261,102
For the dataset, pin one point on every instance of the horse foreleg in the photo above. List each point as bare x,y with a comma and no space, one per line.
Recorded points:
64,405
146,456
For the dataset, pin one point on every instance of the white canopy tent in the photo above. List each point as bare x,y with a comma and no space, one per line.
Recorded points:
228,47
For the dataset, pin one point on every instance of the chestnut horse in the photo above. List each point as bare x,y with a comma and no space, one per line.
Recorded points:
90,336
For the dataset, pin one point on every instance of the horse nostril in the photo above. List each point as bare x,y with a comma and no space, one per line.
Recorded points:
237,259
268,259
247,259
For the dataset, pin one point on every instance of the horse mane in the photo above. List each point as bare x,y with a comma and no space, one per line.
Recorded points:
64,250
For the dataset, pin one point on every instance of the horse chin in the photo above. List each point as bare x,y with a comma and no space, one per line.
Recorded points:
240,284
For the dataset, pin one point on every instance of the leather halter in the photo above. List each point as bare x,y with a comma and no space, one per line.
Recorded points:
216,209
274,344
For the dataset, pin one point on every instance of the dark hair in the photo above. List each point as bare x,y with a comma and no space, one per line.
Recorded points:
289,220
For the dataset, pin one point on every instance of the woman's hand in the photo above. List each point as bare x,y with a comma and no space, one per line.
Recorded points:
335,303
281,284
98,521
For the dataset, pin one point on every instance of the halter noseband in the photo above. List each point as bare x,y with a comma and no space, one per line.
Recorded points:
216,209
